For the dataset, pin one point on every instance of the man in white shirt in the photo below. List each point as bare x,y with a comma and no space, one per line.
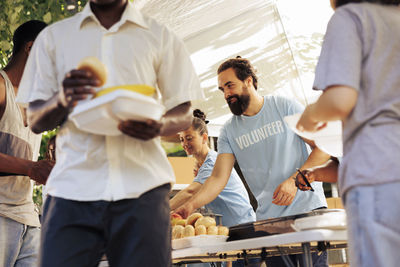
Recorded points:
108,194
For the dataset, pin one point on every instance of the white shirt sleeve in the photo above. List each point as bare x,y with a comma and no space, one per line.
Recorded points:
176,76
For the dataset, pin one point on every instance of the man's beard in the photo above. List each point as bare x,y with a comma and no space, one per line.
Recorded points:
240,105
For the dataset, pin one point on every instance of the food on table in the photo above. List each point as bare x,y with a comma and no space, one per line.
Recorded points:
196,224
212,230
191,220
206,221
94,66
175,217
181,222
189,231
178,231
223,230
200,230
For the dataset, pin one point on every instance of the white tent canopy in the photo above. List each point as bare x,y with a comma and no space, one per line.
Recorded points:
281,38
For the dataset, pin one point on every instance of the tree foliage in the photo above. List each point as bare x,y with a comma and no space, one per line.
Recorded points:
15,12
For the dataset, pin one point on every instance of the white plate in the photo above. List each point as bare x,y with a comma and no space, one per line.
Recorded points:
198,241
103,114
332,145
331,220
328,139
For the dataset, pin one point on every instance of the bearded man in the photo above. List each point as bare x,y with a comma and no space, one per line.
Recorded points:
267,151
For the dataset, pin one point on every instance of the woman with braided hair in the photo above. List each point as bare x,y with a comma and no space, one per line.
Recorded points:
233,202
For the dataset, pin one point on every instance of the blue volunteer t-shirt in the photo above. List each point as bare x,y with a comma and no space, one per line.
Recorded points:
233,202
268,153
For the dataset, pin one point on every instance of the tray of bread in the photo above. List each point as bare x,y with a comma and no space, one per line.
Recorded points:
196,231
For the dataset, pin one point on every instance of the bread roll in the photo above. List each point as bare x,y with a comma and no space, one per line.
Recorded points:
189,231
200,230
94,66
206,221
223,230
212,230
191,220
181,222
177,232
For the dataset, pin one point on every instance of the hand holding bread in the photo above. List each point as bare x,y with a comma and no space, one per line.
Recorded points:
79,83
95,67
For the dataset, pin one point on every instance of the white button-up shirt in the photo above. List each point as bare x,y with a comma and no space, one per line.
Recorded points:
136,50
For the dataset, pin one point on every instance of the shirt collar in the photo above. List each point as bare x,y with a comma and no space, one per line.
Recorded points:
130,14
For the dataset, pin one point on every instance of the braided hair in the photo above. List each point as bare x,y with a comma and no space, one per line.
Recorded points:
199,122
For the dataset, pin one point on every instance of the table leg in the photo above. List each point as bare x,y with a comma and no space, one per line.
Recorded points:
307,260
286,259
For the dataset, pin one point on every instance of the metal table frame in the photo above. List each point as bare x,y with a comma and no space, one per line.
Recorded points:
261,247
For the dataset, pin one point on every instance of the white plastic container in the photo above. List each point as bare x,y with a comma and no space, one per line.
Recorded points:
331,220
328,139
103,114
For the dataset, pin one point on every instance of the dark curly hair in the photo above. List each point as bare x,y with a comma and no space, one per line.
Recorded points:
25,33
383,2
242,67
199,122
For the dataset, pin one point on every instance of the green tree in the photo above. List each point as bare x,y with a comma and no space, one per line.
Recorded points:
37,189
15,12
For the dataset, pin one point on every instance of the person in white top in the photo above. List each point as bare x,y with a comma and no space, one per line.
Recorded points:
108,193
19,150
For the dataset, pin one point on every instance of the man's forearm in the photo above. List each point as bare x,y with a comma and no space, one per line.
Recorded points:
327,173
14,166
180,198
46,115
317,157
208,192
176,120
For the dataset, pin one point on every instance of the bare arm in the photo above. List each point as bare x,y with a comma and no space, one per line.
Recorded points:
47,115
316,157
13,165
212,187
176,119
327,172
184,195
336,103
36,170
286,191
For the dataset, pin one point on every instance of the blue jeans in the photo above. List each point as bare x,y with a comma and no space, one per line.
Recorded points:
19,243
373,221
